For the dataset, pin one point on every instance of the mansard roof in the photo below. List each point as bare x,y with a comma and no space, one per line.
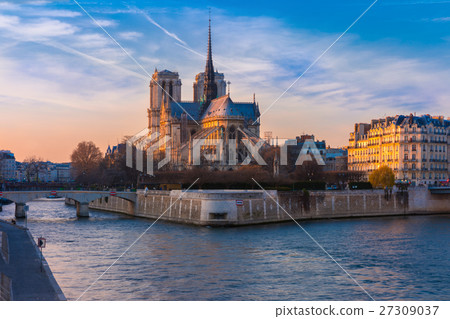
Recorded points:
422,120
6,155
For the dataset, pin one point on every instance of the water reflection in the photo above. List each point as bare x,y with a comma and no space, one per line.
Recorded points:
393,258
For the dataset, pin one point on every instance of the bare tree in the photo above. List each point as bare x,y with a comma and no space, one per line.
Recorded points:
86,159
33,164
309,171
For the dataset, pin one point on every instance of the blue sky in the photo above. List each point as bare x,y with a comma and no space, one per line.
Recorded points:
64,80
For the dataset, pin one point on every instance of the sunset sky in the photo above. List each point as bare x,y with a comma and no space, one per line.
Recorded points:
63,80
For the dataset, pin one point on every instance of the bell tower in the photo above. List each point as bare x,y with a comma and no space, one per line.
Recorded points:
163,85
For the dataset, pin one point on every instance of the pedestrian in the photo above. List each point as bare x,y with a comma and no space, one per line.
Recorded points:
146,191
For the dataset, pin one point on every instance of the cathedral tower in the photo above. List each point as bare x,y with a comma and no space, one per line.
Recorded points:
165,84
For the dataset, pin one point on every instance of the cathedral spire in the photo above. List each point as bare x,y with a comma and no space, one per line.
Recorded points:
209,62
210,86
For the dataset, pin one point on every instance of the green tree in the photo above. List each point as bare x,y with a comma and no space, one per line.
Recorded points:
382,177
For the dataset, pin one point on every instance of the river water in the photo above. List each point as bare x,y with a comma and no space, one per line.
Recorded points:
394,258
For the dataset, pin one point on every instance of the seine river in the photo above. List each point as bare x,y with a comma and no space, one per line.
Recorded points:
397,258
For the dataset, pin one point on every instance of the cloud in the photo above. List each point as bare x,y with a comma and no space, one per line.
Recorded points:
106,23
25,9
442,19
52,13
7,21
75,83
92,40
9,6
98,61
36,29
130,35
38,2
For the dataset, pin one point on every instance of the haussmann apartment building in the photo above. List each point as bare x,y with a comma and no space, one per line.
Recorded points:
415,147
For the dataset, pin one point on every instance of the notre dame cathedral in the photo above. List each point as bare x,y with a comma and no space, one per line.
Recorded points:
211,117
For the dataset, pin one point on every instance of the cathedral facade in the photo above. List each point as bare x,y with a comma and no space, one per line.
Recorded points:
211,124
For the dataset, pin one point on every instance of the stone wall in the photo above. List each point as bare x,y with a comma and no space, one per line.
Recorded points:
113,204
424,201
357,204
222,207
185,210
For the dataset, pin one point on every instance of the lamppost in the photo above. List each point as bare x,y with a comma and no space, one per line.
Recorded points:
403,187
139,177
83,178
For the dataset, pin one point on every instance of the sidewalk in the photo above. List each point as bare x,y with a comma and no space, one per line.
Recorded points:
24,268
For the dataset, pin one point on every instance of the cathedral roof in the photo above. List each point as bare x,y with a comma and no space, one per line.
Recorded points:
165,71
224,106
193,108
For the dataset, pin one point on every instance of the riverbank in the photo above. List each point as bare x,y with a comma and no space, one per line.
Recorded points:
248,207
20,268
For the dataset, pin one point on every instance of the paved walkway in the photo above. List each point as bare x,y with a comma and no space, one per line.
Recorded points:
28,282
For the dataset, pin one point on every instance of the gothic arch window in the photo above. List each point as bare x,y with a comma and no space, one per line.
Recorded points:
232,132
151,93
163,89
170,90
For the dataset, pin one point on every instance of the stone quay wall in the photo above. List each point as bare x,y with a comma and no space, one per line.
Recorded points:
245,207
